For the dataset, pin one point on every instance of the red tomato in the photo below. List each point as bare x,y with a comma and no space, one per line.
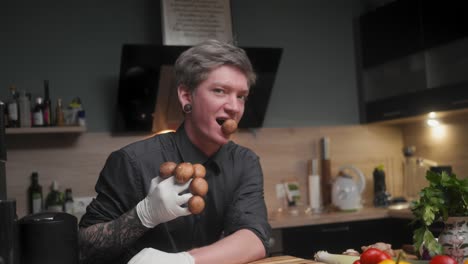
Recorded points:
442,259
373,256
357,261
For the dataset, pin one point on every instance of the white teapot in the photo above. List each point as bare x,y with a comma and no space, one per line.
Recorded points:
346,192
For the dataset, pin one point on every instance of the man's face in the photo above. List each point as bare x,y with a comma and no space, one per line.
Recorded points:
221,96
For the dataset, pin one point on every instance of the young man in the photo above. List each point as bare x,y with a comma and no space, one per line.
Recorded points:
138,216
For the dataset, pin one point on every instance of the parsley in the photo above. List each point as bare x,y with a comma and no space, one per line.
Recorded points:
445,196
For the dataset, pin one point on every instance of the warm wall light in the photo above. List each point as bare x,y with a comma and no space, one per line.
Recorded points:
437,129
160,132
432,122
165,131
439,132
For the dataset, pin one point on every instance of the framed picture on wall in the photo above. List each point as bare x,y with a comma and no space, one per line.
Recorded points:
190,22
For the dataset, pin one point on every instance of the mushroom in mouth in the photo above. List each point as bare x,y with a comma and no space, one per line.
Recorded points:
229,126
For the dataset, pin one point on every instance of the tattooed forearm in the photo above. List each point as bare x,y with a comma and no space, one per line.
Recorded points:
102,241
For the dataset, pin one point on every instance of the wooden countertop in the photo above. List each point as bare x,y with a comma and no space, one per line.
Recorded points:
284,260
284,220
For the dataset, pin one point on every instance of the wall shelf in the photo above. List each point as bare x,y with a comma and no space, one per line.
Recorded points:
46,130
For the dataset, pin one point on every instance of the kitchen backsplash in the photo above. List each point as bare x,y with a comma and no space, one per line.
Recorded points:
76,160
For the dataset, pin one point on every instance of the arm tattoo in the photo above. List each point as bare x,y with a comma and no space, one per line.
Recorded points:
105,241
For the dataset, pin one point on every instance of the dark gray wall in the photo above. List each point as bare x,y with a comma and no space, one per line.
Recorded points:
77,45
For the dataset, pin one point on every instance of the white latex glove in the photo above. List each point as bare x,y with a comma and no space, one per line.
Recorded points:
163,202
151,256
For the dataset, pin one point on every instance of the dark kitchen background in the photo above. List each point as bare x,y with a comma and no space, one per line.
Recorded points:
77,46
317,92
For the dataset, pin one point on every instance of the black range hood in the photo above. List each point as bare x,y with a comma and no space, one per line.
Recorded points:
140,77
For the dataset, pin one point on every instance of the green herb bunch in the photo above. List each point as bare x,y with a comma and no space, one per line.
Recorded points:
445,196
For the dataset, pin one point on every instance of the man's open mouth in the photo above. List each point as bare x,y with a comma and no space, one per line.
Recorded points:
220,121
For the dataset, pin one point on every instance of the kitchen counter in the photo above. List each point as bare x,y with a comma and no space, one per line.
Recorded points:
285,220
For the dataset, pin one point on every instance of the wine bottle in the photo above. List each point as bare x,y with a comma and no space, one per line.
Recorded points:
38,113
55,199
35,199
47,105
12,107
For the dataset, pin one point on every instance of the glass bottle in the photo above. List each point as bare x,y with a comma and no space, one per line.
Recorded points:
59,115
55,200
68,205
35,198
5,116
24,110
47,105
12,107
38,113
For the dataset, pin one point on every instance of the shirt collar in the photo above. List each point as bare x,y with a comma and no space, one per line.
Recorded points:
221,155
190,153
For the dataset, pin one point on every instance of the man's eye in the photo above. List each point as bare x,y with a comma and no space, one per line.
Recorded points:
242,97
218,90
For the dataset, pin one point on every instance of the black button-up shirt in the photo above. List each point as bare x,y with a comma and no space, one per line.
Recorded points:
234,200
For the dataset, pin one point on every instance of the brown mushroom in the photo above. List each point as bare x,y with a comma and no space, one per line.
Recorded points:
199,186
183,172
167,169
196,204
229,126
199,170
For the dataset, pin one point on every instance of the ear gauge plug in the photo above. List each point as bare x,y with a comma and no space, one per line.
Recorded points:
187,108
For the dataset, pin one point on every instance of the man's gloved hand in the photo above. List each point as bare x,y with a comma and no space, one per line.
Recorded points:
163,202
151,255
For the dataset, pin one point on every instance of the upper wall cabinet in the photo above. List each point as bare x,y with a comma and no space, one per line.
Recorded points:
443,22
390,32
414,56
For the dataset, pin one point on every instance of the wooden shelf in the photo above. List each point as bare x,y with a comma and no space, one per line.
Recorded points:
46,130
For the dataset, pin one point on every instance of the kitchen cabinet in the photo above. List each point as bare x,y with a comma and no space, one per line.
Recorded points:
404,27
443,22
418,103
414,59
390,32
337,237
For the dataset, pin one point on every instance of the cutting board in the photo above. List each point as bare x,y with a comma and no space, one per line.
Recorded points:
284,260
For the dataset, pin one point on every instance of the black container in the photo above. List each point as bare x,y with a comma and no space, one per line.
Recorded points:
3,154
381,196
49,237
8,233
